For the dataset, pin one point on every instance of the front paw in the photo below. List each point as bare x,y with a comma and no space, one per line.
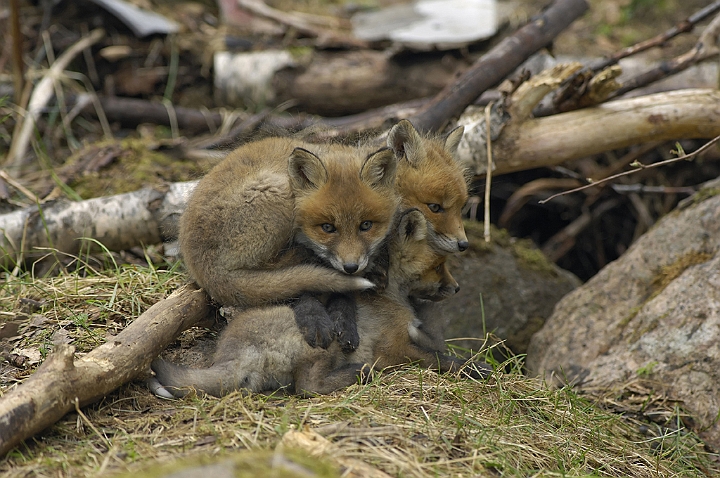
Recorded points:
343,314
476,370
314,321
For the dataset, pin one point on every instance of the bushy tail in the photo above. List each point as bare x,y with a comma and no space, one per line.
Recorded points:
251,288
217,380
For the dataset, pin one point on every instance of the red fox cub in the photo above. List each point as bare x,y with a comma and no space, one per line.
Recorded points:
431,180
262,349
245,233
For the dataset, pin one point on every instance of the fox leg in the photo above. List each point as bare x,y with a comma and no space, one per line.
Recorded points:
314,321
436,360
343,312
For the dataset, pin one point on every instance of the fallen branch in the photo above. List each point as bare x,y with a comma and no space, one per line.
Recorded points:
499,62
52,391
580,89
559,244
705,48
684,26
525,143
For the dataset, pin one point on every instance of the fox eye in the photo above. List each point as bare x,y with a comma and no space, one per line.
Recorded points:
329,228
366,225
435,207
438,269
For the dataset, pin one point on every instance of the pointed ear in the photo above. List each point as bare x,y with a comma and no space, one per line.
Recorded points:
405,140
413,226
379,169
306,170
452,140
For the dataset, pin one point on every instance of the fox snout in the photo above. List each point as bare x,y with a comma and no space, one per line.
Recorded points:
447,244
349,265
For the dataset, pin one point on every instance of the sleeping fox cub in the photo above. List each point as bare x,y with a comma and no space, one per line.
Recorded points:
262,349
250,223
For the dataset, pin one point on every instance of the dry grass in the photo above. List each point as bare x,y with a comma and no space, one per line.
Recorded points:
407,422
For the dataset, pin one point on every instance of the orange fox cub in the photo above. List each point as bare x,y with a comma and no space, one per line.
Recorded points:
431,180
262,349
248,226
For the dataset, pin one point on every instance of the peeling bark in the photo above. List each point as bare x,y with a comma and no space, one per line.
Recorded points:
118,222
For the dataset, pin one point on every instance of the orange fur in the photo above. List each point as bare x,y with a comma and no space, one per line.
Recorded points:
241,230
433,181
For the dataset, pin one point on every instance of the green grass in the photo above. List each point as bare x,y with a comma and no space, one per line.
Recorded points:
406,422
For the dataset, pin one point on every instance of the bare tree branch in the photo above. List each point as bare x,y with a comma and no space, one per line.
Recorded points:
499,62
639,167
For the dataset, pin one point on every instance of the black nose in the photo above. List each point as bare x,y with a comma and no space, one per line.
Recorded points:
463,245
350,268
457,288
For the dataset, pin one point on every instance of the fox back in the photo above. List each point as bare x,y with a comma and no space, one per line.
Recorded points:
240,231
433,181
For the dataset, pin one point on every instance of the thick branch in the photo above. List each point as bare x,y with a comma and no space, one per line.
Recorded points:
552,140
51,391
499,62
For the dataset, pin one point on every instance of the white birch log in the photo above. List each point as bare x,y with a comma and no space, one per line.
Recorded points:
147,216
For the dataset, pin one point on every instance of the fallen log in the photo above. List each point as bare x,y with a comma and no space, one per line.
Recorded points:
149,216
332,83
521,143
61,383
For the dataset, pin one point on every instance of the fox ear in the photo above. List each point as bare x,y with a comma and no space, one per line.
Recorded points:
413,226
452,140
405,140
306,170
379,168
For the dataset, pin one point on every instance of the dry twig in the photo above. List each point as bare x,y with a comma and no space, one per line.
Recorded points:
42,94
638,167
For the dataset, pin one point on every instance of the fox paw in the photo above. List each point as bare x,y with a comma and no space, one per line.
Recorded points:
343,314
314,321
477,370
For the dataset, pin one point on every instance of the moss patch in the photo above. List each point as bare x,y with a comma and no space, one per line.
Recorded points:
662,279
245,464
670,272
131,164
524,250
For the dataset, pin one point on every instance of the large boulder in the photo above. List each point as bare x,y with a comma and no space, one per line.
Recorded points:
654,312
509,282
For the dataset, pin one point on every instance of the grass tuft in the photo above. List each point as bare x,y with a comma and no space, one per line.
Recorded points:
406,421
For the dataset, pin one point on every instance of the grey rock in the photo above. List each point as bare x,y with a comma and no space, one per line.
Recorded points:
510,282
653,312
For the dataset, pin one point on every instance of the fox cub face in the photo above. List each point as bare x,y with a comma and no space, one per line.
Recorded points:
345,203
417,264
431,180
